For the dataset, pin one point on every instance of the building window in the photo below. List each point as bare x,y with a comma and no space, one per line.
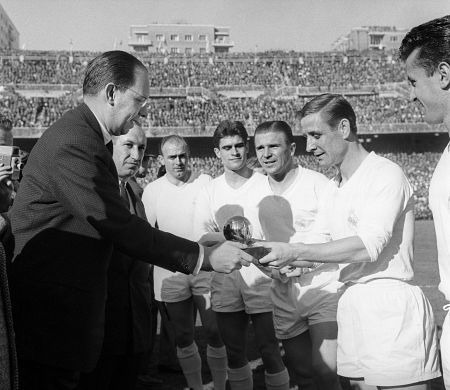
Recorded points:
174,37
202,37
188,37
159,37
188,50
174,50
202,50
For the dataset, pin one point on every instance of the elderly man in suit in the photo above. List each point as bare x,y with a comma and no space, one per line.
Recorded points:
67,217
128,306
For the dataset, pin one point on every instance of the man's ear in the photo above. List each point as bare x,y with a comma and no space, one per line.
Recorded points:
444,73
292,148
110,93
217,152
161,159
344,128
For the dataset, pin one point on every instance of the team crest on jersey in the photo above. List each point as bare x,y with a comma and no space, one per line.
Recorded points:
353,219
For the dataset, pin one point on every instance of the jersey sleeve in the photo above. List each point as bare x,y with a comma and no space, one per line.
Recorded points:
389,196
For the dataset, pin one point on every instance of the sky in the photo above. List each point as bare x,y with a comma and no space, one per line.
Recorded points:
301,25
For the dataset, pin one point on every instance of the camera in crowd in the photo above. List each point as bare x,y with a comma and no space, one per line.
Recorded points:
10,156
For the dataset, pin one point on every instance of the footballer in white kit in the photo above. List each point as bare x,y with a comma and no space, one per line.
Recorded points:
169,202
386,330
304,306
243,294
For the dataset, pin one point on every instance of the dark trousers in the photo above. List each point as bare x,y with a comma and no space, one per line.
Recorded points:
113,373
37,376
167,347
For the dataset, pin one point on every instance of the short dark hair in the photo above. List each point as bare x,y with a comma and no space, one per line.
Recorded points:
276,126
117,67
433,40
332,108
229,128
176,138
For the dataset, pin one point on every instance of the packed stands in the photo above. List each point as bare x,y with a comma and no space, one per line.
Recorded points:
266,69
192,94
42,111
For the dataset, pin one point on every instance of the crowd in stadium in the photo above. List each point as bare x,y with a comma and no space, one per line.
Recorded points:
258,69
166,112
262,70
243,69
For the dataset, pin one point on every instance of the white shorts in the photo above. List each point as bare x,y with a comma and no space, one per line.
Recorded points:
297,306
179,287
247,289
445,349
386,334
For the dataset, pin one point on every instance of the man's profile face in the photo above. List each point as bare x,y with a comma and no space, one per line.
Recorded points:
131,103
128,152
327,144
425,90
274,152
232,151
175,157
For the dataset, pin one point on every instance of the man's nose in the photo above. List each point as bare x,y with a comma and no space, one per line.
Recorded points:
310,144
143,112
135,154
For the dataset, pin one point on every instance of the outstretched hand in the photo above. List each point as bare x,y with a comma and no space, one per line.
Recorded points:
226,257
280,255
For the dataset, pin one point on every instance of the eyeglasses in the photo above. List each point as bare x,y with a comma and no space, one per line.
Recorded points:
145,99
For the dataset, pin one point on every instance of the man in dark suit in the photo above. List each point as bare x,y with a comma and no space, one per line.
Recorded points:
128,305
66,218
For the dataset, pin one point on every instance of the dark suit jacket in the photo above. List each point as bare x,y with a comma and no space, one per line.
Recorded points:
65,219
128,320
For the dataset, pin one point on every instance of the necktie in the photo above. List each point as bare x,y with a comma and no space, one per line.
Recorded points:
109,146
124,194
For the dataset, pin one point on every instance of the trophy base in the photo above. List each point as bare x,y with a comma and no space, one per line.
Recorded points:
258,252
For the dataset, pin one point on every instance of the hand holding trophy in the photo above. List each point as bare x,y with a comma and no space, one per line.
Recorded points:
239,229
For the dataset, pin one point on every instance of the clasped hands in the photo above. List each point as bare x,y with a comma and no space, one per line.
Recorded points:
227,256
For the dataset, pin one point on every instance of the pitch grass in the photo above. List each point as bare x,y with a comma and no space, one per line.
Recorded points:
426,276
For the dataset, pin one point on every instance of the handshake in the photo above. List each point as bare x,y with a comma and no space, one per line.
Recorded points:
239,249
